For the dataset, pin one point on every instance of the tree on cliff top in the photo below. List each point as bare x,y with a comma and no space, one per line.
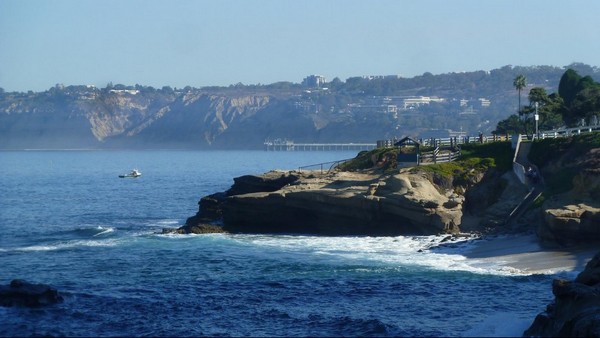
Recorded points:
577,101
581,97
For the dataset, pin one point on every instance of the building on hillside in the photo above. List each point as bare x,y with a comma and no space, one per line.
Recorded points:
417,101
484,102
313,81
480,102
125,91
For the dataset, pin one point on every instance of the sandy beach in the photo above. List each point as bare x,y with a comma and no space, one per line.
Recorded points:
524,253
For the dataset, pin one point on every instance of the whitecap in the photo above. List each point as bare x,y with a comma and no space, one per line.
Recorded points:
165,222
400,251
104,231
68,245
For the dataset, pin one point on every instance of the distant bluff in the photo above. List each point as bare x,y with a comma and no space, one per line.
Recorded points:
361,109
196,119
114,119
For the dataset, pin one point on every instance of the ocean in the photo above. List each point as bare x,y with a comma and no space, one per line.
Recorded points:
68,220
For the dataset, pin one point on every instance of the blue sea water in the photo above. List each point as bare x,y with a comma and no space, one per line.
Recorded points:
67,220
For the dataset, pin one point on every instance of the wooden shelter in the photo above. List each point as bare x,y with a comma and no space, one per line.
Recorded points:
409,156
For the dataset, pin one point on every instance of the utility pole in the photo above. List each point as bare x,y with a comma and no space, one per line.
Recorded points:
537,117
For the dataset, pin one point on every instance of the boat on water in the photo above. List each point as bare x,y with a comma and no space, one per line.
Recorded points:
132,174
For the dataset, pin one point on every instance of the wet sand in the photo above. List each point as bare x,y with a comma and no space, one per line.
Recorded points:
524,253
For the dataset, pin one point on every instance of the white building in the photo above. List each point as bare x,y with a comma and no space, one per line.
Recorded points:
313,81
417,101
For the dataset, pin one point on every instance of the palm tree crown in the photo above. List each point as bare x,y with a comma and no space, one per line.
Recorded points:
520,83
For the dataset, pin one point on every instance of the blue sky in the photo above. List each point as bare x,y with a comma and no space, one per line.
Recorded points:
221,42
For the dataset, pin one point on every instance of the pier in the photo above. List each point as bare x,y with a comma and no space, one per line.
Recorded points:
286,145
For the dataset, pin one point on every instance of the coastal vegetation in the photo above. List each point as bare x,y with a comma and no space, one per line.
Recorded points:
566,158
475,161
576,103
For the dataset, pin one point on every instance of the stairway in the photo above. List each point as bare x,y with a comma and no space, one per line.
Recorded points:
536,188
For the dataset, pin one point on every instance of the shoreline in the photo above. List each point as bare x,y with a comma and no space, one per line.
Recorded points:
523,252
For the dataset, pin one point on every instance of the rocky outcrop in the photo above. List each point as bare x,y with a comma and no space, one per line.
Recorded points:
339,203
570,223
22,293
193,228
573,216
575,311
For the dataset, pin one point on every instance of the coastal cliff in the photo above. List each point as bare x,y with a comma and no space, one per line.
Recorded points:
339,203
88,117
374,201
346,203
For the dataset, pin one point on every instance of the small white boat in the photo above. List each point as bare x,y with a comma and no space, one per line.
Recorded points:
133,174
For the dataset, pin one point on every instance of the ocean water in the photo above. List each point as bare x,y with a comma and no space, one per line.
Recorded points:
67,220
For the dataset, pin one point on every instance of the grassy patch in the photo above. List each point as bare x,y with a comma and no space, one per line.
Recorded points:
500,152
384,157
475,158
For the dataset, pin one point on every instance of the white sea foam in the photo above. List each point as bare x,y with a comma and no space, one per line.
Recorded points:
104,230
68,245
164,222
389,251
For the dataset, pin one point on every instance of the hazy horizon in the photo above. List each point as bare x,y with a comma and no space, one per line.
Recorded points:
219,43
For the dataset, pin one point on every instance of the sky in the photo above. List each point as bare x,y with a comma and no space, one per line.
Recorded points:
222,42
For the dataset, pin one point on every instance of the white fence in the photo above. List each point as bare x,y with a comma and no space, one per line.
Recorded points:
565,132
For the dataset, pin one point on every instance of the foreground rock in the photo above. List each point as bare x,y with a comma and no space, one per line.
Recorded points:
346,203
570,223
575,311
22,293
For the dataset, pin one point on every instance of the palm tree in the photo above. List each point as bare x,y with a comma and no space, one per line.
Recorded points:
519,83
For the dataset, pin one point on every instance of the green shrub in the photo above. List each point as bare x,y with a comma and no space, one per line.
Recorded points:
544,151
475,158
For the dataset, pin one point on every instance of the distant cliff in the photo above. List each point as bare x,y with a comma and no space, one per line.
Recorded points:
362,109
197,119
92,118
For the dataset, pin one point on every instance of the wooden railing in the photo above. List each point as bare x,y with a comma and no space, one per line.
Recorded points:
438,156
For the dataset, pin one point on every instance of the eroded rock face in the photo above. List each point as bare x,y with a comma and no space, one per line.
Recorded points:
347,204
575,311
573,216
571,223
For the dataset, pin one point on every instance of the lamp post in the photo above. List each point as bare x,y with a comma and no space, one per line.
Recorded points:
537,117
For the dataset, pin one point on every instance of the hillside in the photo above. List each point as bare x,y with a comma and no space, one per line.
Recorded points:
361,109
